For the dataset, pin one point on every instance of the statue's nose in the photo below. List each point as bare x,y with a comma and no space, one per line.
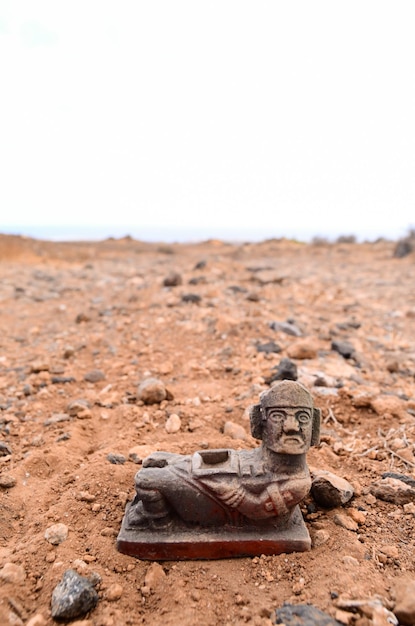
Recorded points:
291,424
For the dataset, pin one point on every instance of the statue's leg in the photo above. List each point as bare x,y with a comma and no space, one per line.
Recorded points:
150,507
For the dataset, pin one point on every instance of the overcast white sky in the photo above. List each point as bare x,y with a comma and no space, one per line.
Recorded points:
280,117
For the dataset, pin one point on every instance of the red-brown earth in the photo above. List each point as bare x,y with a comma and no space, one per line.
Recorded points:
69,308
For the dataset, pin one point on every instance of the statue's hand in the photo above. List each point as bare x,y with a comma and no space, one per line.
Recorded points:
229,491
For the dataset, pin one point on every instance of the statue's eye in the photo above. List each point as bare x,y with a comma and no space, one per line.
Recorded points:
277,415
303,417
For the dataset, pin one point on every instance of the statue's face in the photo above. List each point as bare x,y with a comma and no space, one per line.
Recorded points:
288,430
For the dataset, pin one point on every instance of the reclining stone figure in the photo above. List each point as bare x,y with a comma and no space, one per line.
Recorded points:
234,489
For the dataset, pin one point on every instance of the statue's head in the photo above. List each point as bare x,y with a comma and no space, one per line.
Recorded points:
286,419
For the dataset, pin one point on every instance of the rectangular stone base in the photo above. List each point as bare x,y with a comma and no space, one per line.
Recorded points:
182,542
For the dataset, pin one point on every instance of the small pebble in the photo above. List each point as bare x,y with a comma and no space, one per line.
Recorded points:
173,424
173,279
114,592
345,522
151,391
13,573
235,431
116,459
154,577
94,376
56,534
7,481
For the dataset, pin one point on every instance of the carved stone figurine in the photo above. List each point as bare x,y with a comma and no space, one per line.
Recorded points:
221,503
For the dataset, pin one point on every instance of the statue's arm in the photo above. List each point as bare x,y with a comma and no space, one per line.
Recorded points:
273,501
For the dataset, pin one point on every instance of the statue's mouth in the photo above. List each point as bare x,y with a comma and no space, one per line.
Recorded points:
290,439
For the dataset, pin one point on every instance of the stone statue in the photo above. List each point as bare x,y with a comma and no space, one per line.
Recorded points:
219,503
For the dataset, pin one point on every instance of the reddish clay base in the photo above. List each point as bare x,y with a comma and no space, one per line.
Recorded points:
180,543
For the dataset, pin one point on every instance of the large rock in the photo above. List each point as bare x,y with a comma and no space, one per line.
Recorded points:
304,615
405,602
329,490
152,391
73,596
396,488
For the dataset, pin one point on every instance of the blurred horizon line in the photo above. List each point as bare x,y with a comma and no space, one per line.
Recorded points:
168,234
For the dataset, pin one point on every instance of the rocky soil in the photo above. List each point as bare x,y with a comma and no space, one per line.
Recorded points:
83,324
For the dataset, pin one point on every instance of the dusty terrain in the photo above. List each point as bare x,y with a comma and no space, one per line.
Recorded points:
68,309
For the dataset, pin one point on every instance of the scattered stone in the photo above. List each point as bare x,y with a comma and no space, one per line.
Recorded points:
151,391
27,390
73,596
94,376
391,405
13,573
200,265
7,481
56,534
303,349
303,615
345,522
350,560
357,515
173,279
405,602
194,298
173,424
286,370
39,366
267,277
5,449
57,418
62,380
344,348
329,490
68,352
289,328
409,508
269,348
82,317
370,608
396,488
116,459
78,407
154,577
114,592
320,537
403,248
390,551
235,431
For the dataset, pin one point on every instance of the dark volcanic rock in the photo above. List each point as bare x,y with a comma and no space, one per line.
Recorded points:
343,347
303,615
116,459
5,449
194,298
173,279
403,248
268,347
286,327
286,370
73,596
